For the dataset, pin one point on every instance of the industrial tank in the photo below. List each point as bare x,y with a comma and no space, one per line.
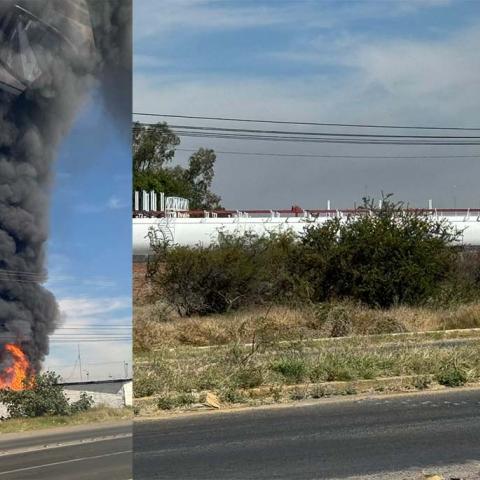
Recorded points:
204,231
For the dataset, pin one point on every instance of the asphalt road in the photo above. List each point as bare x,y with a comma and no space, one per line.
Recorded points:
80,453
321,440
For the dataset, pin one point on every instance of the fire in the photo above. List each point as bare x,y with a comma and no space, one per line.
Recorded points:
13,376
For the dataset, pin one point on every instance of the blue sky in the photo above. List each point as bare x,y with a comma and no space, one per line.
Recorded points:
397,62
89,249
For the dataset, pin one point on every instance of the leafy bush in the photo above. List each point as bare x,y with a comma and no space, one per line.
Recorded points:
464,284
381,257
166,402
42,396
451,375
218,278
84,403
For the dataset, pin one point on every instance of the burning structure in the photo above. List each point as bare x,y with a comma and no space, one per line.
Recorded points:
52,53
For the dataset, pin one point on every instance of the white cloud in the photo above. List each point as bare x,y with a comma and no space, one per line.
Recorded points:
89,308
204,15
395,81
99,282
152,20
376,80
148,61
114,202
103,350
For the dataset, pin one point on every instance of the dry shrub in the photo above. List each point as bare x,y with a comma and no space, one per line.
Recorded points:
387,324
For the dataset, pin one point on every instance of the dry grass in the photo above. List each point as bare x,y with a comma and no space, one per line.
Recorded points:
93,416
280,348
156,325
180,376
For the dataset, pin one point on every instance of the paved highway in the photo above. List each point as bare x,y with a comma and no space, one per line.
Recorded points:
376,437
79,453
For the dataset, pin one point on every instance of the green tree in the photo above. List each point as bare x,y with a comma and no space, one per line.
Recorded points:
43,395
199,175
153,151
153,147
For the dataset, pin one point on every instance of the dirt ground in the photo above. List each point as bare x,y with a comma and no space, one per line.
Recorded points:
141,288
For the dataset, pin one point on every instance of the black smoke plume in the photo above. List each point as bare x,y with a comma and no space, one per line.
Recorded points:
52,54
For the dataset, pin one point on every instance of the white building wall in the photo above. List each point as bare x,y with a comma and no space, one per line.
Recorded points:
114,400
111,394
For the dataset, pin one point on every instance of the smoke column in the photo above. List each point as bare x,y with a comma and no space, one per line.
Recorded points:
58,72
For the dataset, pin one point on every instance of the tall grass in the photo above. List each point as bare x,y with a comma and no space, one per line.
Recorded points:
154,328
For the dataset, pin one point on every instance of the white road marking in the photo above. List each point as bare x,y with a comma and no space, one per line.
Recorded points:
48,446
63,462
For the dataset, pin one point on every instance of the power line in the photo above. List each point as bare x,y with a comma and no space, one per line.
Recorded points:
118,362
322,140
321,134
89,337
20,272
323,124
88,327
91,334
21,276
311,137
13,280
314,155
90,341
95,325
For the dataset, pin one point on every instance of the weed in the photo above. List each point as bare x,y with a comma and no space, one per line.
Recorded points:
293,369
248,377
232,395
332,368
421,382
451,376
298,394
350,390
167,402
276,393
319,391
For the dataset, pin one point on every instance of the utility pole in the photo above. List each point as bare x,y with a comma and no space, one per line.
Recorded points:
80,363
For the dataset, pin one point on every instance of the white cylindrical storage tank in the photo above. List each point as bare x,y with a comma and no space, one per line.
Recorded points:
205,231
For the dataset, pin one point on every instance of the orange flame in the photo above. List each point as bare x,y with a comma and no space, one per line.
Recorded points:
13,377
